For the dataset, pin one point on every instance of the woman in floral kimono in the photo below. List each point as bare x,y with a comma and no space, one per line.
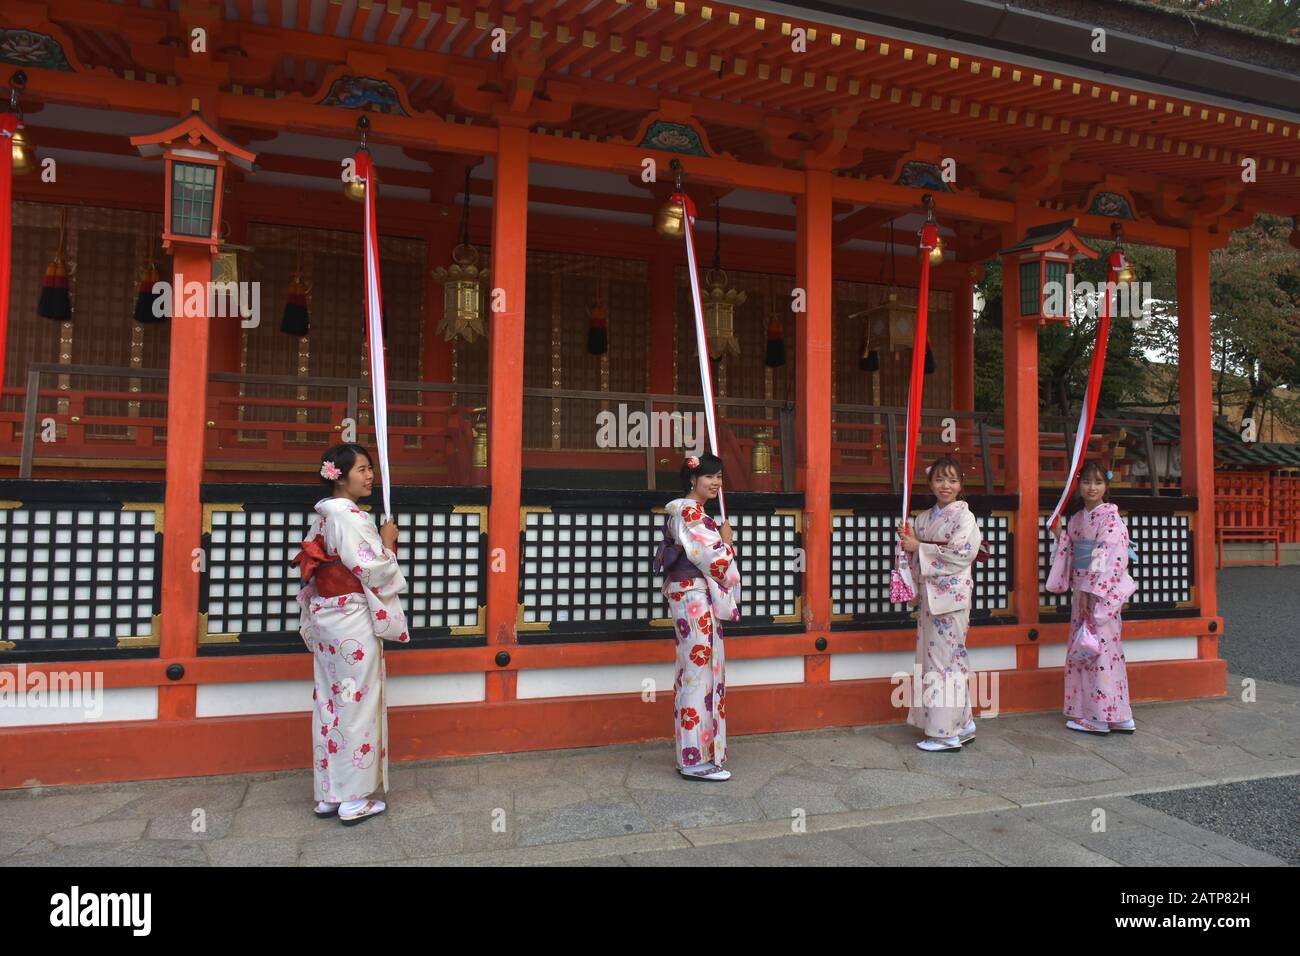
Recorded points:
941,550
1091,560
702,585
349,601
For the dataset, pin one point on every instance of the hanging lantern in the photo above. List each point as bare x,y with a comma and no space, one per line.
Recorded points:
775,357
195,157
462,289
462,295
1046,268
760,458
720,302
597,331
55,301
720,314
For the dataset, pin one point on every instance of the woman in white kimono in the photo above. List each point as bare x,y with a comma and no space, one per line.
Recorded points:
1091,560
942,548
349,602
702,585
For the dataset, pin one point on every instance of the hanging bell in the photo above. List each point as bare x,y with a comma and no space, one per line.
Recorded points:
668,221
24,152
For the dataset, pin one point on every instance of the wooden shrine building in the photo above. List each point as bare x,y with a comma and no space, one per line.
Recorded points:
155,476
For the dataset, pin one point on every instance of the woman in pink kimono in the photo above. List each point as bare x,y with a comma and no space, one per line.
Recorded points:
349,603
941,550
702,585
1091,560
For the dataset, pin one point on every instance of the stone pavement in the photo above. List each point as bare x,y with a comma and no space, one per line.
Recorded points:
1027,792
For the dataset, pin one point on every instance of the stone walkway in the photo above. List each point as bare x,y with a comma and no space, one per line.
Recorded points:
1027,792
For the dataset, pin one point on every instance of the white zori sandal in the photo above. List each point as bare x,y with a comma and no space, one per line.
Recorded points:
1087,727
354,811
938,744
967,733
704,772
326,809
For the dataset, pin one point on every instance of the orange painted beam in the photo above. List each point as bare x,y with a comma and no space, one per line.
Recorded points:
505,390
79,754
1196,413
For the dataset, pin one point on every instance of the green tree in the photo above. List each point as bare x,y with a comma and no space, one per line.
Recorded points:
1281,17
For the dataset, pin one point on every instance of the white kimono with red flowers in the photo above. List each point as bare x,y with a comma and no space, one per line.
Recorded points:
698,606
350,726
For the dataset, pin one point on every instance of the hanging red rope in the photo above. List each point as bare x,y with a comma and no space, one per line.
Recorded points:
365,171
901,586
1115,265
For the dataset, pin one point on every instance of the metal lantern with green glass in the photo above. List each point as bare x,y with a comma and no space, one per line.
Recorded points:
1044,259
196,156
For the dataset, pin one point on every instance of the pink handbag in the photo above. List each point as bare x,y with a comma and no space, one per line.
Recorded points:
900,588
1087,646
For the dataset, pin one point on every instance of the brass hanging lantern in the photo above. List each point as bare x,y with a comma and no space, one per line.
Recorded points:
462,289
720,314
890,323
720,302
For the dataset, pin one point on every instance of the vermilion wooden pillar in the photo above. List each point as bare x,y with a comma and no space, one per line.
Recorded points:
187,380
1196,417
813,377
505,392
1020,418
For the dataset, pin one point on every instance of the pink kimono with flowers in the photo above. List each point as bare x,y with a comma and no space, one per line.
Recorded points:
950,539
350,724
698,606
1092,558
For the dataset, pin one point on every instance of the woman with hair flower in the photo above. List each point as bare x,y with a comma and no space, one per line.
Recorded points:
349,602
702,584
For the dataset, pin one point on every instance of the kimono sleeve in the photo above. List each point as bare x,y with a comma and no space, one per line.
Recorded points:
945,560
1058,578
698,535
363,553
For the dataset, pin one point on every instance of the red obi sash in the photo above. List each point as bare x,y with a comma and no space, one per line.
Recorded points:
332,579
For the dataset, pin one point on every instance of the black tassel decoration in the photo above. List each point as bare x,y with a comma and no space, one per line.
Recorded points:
147,308
55,301
869,360
929,359
775,345
296,320
598,331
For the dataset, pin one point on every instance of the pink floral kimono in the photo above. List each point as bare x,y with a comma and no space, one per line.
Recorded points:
343,632
950,539
699,602
1092,557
